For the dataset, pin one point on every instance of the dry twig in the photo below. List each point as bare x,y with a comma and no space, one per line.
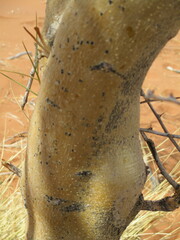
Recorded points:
166,204
158,117
12,168
154,153
30,80
151,96
150,130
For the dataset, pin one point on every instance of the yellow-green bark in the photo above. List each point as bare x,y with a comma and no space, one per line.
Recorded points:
84,170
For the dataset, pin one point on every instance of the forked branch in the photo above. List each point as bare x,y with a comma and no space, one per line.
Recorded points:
169,203
158,117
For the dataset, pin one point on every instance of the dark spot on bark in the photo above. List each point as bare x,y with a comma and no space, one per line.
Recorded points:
81,42
92,43
107,67
58,82
53,55
65,89
49,156
80,80
68,134
95,138
87,42
130,31
103,94
115,115
68,40
75,207
100,119
102,66
69,73
47,163
84,173
110,1
55,201
62,71
65,205
122,8
106,51
101,13
50,102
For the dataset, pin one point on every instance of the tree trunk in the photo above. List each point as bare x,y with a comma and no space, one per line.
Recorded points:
84,171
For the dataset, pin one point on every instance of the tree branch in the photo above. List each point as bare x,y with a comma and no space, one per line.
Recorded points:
151,96
160,121
166,204
150,130
152,148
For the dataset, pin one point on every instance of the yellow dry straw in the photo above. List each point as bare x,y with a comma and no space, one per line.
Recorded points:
13,213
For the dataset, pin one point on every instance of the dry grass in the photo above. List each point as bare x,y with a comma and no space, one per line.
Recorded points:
12,211
13,214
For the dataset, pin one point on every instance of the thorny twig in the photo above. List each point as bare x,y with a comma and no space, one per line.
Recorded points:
169,203
34,71
160,121
154,153
30,80
151,96
156,100
150,130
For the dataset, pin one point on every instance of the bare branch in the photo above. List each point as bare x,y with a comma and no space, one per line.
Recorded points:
154,153
150,130
155,100
30,80
166,204
158,117
151,96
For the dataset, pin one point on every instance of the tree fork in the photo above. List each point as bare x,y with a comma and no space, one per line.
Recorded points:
84,172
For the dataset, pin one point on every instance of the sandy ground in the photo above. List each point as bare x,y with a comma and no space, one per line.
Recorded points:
18,13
